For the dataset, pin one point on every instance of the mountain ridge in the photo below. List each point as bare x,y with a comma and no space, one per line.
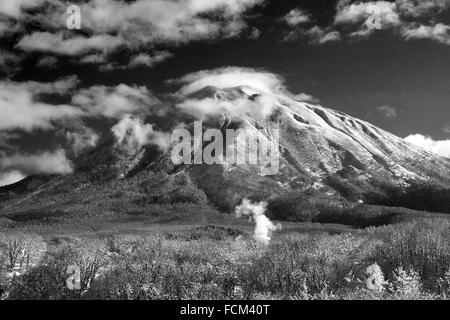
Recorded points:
322,151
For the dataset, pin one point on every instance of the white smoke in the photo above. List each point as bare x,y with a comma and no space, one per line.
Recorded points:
134,133
264,227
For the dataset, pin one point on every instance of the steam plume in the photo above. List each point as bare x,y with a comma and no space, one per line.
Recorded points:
264,227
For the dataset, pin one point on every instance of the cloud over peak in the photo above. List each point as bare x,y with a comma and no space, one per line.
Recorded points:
231,87
228,77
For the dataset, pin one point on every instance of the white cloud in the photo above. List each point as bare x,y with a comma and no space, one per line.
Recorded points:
9,61
228,77
156,21
418,8
316,35
446,128
10,177
238,108
141,59
134,24
438,32
14,8
40,163
71,46
255,33
61,86
82,139
360,12
296,17
5,141
114,102
96,58
20,108
47,62
357,20
396,15
233,86
149,60
133,133
3,27
304,97
77,135
321,36
440,147
388,112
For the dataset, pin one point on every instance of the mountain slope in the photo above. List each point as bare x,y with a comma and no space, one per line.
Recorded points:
324,155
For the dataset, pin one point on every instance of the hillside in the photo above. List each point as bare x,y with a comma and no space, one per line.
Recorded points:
325,158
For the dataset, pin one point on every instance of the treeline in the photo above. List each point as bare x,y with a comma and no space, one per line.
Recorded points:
421,197
405,261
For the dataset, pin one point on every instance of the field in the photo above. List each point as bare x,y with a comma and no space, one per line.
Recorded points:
186,252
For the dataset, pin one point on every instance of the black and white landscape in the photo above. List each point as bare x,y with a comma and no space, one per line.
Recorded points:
224,149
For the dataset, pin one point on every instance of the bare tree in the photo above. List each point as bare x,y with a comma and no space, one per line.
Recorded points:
20,250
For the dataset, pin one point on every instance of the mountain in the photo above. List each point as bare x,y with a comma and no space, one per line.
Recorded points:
325,156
